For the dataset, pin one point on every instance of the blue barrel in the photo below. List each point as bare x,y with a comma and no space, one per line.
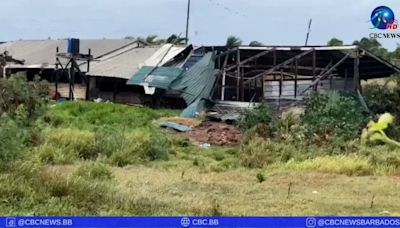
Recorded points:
73,46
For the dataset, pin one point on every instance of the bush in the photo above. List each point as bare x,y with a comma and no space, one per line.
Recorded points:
381,99
260,115
77,143
11,141
93,171
329,116
21,103
143,144
17,94
255,153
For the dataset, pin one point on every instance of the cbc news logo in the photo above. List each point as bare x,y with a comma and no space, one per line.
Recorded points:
185,222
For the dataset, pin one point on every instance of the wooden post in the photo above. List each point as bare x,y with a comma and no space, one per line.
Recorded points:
314,63
223,85
72,79
295,77
356,76
345,79
238,77
274,62
57,73
224,77
280,83
241,84
115,90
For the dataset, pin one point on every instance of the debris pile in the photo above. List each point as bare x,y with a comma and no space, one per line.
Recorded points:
215,133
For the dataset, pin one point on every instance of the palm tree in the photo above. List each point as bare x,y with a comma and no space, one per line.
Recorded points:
255,43
233,41
174,39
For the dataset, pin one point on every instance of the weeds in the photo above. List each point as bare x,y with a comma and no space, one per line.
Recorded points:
93,171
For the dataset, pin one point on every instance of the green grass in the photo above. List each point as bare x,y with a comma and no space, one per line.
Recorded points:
87,115
107,159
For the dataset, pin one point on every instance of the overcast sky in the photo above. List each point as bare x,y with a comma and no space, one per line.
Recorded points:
282,22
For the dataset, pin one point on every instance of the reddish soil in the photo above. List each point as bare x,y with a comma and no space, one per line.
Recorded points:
215,133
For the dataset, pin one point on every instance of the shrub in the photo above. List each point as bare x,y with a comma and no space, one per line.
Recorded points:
143,144
11,141
260,115
329,116
17,94
381,99
260,177
21,103
255,153
93,170
79,143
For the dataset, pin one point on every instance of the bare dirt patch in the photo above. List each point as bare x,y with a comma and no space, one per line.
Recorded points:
215,133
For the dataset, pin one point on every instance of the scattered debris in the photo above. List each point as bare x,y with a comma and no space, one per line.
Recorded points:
175,126
190,122
205,145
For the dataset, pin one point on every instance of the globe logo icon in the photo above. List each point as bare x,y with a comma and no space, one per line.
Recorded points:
185,221
381,17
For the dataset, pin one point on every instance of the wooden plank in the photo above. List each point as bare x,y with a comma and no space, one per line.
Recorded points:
238,74
224,79
286,62
323,75
249,59
356,75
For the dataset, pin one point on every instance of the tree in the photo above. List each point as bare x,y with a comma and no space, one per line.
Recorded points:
373,46
174,39
255,43
335,42
233,41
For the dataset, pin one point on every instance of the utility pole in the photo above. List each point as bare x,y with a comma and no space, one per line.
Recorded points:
308,31
187,22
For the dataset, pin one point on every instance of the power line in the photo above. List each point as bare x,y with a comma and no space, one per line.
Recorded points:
226,8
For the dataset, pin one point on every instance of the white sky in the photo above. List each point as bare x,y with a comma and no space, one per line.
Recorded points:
282,22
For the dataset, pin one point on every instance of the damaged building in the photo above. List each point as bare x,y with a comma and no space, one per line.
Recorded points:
195,78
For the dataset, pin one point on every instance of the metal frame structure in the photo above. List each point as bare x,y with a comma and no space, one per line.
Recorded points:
71,69
242,69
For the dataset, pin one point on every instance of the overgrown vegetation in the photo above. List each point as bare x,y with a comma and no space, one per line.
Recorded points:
82,158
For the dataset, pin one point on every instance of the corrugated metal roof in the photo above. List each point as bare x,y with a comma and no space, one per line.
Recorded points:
160,77
43,52
126,62
164,54
197,82
122,64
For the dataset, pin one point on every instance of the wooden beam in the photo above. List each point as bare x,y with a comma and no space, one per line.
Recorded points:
356,76
295,77
224,79
285,63
254,57
266,67
314,64
238,74
395,68
323,75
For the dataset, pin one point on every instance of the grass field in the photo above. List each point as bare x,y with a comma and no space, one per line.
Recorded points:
106,159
